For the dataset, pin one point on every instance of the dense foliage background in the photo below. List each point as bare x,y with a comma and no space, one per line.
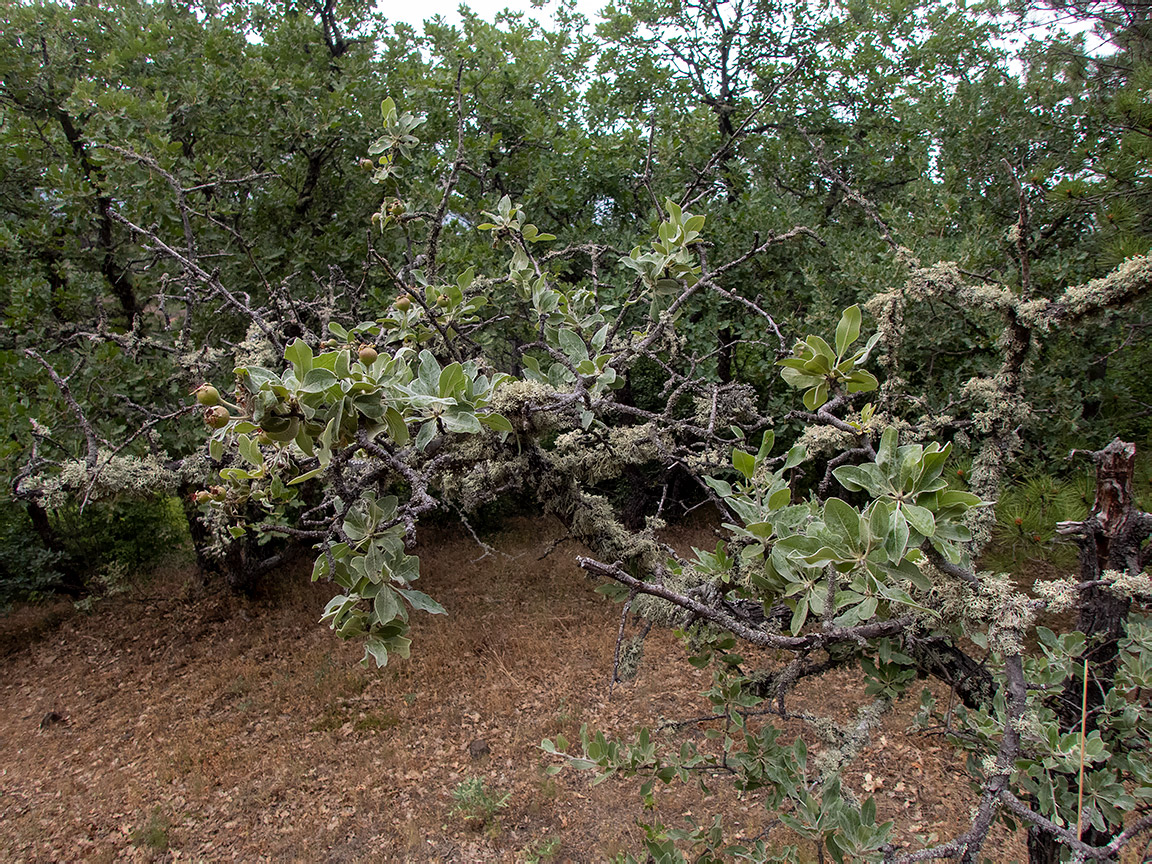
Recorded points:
191,189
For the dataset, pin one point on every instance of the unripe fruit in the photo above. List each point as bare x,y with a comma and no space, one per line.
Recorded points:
376,218
207,395
366,164
403,303
217,416
367,355
202,497
443,300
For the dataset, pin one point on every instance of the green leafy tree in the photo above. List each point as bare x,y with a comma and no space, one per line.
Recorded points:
872,567
455,300
125,116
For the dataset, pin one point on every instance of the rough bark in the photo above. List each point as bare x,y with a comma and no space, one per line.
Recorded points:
1109,539
72,580
119,278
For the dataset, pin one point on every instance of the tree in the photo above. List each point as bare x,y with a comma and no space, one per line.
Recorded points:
393,432
124,115
121,130
485,350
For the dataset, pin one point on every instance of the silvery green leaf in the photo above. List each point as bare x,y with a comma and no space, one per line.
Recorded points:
920,518
848,330
386,605
457,419
743,462
843,519
427,433
886,452
795,456
421,601
318,380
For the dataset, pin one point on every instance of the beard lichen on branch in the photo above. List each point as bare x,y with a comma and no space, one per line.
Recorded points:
114,475
843,743
604,454
726,405
485,477
1128,584
995,606
822,441
592,520
256,349
1129,280
526,404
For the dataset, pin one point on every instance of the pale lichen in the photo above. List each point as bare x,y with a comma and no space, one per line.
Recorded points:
256,350
1129,280
822,441
1128,584
114,475
993,607
725,406
595,457
1060,595
628,660
484,480
527,406
844,743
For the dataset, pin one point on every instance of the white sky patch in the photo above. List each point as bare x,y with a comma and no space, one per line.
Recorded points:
1040,22
415,13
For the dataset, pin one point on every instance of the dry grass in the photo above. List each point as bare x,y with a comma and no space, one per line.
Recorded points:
212,728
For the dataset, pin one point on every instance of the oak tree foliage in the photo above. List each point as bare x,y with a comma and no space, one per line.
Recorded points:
837,270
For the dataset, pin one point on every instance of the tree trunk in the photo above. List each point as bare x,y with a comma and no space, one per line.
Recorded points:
1109,539
197,531
724,353
118,276
72,578
247,564
240,566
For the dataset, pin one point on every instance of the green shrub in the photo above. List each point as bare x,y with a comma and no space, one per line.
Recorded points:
27,569
112,542
134,534
475,804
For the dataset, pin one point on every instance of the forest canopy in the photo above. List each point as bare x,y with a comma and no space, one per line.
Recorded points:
847,274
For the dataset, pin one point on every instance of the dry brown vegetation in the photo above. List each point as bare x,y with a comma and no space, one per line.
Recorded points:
213,728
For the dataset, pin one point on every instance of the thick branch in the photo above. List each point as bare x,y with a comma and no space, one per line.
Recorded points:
722,619
93,445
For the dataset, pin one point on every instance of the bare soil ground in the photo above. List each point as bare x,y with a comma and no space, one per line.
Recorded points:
203,727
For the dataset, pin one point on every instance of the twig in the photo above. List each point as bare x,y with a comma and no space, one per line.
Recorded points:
211,280
619,640
1083,729
93,445
738,131
756,637
1022,248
